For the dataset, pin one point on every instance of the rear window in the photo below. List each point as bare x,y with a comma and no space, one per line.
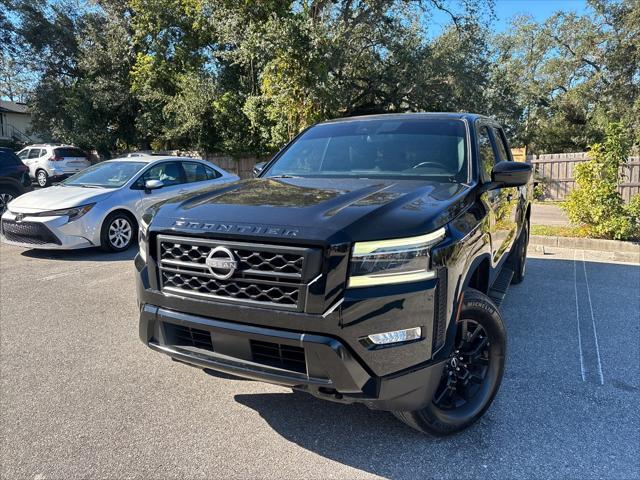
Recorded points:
9,158
69,152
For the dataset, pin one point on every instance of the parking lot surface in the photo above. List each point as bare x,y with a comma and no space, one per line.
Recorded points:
80,396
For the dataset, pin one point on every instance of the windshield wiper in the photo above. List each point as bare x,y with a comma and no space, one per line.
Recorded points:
86,185
284,175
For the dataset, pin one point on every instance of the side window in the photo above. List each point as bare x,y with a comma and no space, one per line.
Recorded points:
500,143
170,173
194,172
24,154
34,153
487,155
212,173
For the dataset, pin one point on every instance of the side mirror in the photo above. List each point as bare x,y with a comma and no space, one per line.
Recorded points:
258,167
510,174
153,185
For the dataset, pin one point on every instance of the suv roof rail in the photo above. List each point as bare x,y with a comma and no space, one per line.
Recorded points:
50,145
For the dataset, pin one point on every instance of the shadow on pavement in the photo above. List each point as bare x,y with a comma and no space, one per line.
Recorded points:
546,420
353,435
83,255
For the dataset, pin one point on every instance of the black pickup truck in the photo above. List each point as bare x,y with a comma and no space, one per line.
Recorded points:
364,264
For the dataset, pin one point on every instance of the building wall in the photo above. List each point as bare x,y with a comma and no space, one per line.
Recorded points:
21,121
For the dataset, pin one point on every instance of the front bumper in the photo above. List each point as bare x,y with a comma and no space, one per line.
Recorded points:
50,233
331,370
338,364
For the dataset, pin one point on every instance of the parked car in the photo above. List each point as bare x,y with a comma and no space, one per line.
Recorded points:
49,162
258,167
14,177
101,206
364,264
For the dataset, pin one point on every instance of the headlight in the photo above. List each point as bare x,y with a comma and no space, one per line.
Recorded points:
392,261
73,213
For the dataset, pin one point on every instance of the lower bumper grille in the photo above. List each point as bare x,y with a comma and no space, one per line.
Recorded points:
276,355
188,337
34,233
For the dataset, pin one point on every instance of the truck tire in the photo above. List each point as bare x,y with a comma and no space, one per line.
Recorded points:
472,375
520,260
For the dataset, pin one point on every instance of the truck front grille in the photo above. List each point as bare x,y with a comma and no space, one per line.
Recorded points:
34,233
262,274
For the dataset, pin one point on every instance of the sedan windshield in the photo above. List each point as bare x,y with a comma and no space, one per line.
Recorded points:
106,175
402,148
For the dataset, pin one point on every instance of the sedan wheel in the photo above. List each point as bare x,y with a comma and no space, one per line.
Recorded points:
5,198
120,233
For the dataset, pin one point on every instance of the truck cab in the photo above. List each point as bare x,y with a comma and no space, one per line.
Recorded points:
365,263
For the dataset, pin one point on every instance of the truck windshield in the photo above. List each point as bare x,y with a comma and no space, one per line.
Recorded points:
105,175
402,148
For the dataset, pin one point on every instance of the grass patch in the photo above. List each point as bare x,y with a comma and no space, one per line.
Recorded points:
559,231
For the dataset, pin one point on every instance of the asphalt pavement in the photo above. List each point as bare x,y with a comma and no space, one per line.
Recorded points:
81,397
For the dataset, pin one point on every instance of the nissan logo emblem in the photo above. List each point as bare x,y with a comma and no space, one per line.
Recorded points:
221,262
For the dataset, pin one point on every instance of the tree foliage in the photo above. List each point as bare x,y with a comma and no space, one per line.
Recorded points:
244,77
596,203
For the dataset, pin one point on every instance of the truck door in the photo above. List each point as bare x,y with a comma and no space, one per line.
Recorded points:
496,200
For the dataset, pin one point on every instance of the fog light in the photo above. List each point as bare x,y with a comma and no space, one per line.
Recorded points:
396,336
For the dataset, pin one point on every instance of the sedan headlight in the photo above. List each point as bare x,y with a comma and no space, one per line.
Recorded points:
393,261
73,213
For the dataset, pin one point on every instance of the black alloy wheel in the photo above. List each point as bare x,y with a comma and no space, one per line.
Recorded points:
467,368
471,375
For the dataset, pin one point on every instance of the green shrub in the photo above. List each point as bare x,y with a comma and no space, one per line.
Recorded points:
595,203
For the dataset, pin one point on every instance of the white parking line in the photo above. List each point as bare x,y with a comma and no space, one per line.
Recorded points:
593,321
56,275
575,285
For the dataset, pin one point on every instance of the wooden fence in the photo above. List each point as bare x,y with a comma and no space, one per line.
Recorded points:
243,167
555,171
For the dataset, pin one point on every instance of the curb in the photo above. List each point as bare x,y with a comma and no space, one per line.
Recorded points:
605,250
585,244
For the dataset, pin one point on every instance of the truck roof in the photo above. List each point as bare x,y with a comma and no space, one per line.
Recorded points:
412,115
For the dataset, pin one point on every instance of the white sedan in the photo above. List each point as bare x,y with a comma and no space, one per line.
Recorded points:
102,205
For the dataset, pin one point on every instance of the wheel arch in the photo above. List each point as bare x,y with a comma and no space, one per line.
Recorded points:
12,184
478,274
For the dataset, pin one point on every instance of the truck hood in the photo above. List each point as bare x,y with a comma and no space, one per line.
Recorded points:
326,210
58,197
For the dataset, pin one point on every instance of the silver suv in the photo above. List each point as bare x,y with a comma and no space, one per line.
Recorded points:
49,161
